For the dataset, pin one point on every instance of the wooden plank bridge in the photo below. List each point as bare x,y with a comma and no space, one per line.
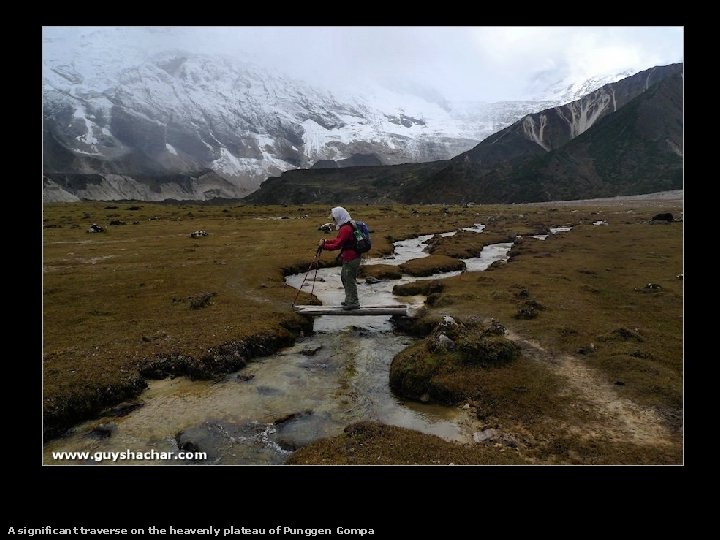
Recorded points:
397,309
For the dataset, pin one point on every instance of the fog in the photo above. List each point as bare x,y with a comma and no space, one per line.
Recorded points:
459,63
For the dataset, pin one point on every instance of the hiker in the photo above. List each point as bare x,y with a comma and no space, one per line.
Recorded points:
345,242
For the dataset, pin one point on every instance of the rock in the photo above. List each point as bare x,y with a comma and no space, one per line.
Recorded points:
244,377
619,383
292,416
371,280
298,429
228,443
326,227
442,343
465,407
206,438
359,331
117,222
649,288
586,350
311,352
495,328
198,234
104,430
679,276
95,228
448,320
489,434
667,217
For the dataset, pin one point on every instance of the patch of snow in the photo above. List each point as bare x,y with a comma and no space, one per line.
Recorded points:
88,138
171,149
233,165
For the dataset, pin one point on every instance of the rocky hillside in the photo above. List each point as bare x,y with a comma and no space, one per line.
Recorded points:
624,138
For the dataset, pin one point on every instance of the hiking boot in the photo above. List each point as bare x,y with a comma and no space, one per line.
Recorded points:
343,303
348,307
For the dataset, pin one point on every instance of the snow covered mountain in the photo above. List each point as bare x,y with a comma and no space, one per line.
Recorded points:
570,88
173,124
189,126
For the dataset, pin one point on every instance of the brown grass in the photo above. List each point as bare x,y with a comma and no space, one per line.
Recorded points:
372,443
116,302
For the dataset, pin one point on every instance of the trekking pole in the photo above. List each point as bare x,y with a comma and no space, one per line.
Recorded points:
316,262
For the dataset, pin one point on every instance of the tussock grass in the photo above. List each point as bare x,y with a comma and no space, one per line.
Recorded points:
108,310
433,264
466,244
372,443
380,271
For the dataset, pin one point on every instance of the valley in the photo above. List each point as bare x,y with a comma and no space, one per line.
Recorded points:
596,312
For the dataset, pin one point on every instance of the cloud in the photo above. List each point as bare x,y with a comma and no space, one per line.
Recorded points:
461,63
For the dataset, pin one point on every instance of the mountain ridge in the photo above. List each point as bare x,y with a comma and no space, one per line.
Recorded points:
510,166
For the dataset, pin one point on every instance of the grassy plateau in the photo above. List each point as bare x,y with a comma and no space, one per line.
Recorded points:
596,316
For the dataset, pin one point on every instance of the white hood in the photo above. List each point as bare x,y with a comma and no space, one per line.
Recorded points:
340,215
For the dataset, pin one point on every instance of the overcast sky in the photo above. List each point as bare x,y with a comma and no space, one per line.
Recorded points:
461,63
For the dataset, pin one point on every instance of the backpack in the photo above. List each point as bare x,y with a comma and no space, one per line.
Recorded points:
362,236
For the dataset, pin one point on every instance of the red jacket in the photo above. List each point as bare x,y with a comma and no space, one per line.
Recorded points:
345,237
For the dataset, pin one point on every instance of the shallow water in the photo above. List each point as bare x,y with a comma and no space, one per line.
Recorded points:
261,413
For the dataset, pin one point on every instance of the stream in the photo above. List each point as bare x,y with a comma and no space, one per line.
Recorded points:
278,403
